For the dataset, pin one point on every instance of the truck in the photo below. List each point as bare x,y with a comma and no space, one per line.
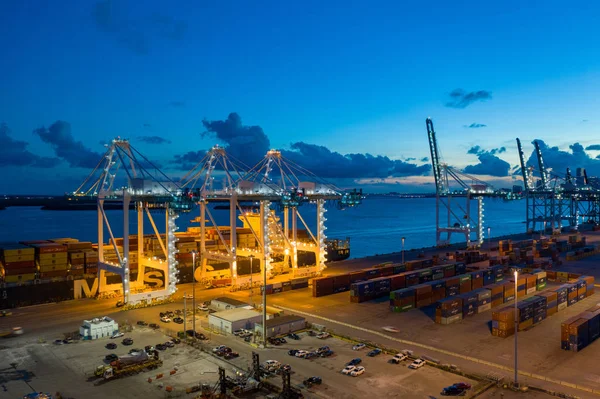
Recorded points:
11,332
129,364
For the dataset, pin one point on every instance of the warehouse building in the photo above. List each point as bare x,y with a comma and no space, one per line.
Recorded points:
225,303
98,328
282,325
228,321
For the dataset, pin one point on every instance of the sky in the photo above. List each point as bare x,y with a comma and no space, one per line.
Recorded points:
342,88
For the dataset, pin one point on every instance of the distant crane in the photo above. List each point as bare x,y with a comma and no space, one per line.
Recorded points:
453,206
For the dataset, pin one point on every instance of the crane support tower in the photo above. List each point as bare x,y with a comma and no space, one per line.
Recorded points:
454,199
128,178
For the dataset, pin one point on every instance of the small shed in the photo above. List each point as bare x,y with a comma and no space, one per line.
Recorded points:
231,320
225,303
98,328
282,325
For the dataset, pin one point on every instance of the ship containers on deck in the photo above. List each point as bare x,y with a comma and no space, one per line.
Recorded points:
341,283
438,290
322,286
579,335
449,271
452,286
397,282
477,279
412,278
358,276
465,283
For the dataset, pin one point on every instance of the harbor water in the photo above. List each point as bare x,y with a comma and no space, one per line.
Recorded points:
375,227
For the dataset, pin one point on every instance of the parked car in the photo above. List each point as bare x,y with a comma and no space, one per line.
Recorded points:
417,364
231,355
218,348
357,371
142,323
154,326
238,332
165,319
135,350
293,336
178,320
111,345
169,344
176,341
354,362
161,347
323,349
127,341
311,355
323,335
301,353
292,352
398,357
274,341
149,348
374,352
111,357
348,369
358,347
203,307
117,335
462,385
58,342
453,391
326,353
312,380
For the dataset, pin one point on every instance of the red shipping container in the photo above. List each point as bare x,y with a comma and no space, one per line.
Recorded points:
19,265
358,276
386,271
465,287
22,271
397,282
341,280
58,273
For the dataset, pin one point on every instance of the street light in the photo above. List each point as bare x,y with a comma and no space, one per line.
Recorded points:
184,315
516,326
489,238
194,252
264,300
403,249
251,273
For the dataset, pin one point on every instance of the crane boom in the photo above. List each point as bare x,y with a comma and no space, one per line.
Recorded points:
541,165
524,169
435,160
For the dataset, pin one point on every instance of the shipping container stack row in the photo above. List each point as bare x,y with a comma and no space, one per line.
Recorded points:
444,286
18,262
293,284
374,288
533,310
528,250
580,331
468,257
331,285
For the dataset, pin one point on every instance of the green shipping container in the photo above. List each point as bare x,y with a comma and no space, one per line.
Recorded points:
541,286
426,272
466,277
498,279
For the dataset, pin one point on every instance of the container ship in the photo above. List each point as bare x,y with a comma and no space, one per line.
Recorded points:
54,266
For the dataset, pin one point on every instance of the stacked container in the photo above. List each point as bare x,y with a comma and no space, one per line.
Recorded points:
541,278
521,285
484,300
562,293
572,296
438,290
402,300
423,293
589,281
18,262
469,303
323,286
341,283
452,286
76,252
531,283
477,279
449,311
497,294
51,259
509,291
503,322
465,283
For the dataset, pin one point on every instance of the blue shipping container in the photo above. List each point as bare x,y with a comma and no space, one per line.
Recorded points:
469,297
469,312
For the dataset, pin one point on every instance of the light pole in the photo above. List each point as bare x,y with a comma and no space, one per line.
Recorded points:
264,303
489,238
403,249
251,273
194,252
516,327
184,315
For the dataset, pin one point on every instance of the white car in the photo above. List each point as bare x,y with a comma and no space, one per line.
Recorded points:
390,329
358,347
357,371
417,364
301,353
271,365
323,335
348,369
399,357
203,307
117,335
218,348
165,319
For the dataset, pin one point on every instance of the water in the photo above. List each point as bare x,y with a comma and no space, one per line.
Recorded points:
375,227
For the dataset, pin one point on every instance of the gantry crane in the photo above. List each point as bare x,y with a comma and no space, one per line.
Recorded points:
454,204
256,185
127,177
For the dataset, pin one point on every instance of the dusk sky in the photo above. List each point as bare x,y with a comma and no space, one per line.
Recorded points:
317,79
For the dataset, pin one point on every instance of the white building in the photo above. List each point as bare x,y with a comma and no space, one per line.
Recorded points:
225,303
98,328
233,319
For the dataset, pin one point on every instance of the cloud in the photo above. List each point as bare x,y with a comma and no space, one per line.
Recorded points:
153,140
584,120
489,164
135,34
15,152
459,98
248,144
188,160
329,164
475,126
593,147
560,160
177,104
425,159
59,136
410,159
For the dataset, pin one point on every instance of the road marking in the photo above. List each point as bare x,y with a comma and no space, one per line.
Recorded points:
446,352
